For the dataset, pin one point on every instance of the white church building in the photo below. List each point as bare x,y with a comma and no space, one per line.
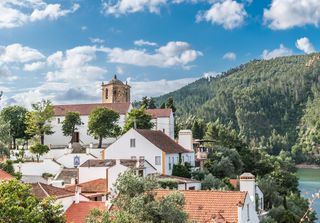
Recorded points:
115,96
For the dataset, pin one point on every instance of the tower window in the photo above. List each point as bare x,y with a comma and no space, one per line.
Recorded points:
107,94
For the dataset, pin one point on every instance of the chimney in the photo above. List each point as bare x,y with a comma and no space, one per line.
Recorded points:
77,194
248,184
185,139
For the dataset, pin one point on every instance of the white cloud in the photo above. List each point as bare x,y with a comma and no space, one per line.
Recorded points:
119,7
18,53
281,51
286,14
230,56
305,45
52,12
34,66
172,54
157,88
83,28
96,40
142,42
119,70
15,13
74,65
229,13
6,74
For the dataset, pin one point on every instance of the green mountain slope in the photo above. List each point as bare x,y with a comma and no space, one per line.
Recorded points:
263,99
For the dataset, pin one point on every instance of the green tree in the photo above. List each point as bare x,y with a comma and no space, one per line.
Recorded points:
182,170
138,203
198,129
170,104
163,105
138,118
14,118
70,123
38,120
39,149
152,104
103,123
144,102
17,204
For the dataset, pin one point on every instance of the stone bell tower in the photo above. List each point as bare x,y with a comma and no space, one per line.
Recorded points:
115,91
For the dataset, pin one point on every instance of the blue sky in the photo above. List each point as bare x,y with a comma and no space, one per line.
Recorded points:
63,49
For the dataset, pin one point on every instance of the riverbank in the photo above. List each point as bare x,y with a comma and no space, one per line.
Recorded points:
308,166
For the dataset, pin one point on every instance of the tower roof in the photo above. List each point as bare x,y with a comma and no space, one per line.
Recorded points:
115,80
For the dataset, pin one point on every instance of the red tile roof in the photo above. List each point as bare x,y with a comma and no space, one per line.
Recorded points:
203,206
93,186
162,141
86,109
42,190
159,112
5,176
234,182
77,213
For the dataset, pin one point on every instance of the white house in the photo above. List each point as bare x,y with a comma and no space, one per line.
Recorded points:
163,120
156,147
217,206
109,169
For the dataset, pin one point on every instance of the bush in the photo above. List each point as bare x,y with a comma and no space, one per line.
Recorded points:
181,170
168,184
211,182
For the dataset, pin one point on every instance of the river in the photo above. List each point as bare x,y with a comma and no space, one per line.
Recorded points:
309,183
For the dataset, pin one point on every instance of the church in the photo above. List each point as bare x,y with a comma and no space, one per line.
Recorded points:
115,95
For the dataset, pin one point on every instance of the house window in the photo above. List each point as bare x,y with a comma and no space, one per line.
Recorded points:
59,121
248,213
141,157
192,188
140,173
106,93
170,165
163,130
158,160
133,157
182,159
132,143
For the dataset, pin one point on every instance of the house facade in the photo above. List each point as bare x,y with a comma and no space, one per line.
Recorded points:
160,150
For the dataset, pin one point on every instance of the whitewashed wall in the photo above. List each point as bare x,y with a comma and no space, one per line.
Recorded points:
91,173
59,139
165,124
113,174
121,149
38,168
67,160
243,212
196,185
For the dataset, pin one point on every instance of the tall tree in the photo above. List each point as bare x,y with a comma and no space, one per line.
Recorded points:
163,105
198,129
14,117
152,104
144,102
139,119
38,120
71,122
170,104
103,123
17,204
138,203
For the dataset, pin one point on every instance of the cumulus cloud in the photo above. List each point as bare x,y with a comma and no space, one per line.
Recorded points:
229,13
6,74
281,51
142,42
120,7
172,54
34,66
15,13
286,14
230,56
74,65
18,53
305,45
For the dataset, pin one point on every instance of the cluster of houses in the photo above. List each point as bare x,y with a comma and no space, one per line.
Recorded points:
82,176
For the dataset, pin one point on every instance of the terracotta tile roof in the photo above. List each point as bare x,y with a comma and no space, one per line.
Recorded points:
93,186
179,180
203,206
67,174
42,190
85,109
77,213
5,176
159,113
99,163
162,141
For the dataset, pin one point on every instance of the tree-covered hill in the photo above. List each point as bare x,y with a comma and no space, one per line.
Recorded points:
267,101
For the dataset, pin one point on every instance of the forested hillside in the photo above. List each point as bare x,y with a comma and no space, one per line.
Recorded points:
273,103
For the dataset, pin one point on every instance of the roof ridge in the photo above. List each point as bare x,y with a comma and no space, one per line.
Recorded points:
40,185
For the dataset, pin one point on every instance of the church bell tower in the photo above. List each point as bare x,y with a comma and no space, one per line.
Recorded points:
115,91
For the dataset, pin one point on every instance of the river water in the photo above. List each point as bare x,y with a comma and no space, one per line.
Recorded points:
309,183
